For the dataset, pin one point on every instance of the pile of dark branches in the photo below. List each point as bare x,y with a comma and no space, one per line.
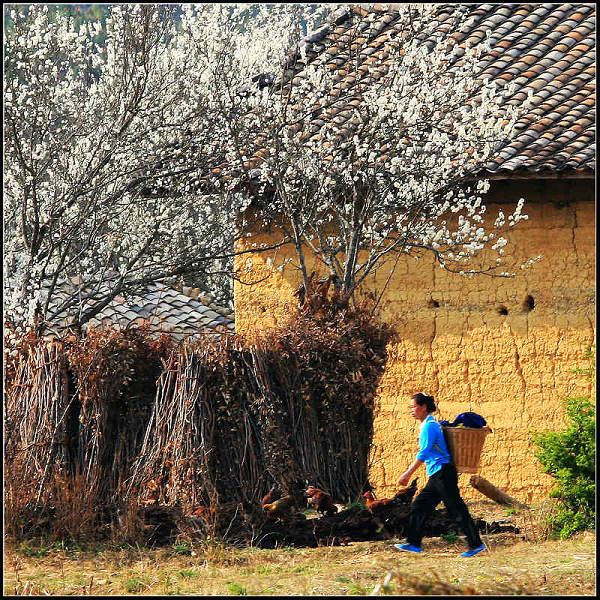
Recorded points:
205,429
75,415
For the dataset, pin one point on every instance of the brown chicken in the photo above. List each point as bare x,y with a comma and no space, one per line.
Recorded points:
318,298
323,503
311,490
406,495
211,514
301,291
273,494
377,506
282,509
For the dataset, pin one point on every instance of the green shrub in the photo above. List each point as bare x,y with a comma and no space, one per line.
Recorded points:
188,573
236,589
182,548
451,537
569,456
135,584
27,550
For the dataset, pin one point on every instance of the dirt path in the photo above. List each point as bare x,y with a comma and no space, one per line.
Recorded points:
510,566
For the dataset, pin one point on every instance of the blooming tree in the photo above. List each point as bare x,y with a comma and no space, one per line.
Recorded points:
107,147
127,161
358,174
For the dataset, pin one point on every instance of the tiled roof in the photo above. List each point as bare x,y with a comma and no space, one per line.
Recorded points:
548,48
181,314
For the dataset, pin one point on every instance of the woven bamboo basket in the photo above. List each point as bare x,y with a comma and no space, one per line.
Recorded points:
465,445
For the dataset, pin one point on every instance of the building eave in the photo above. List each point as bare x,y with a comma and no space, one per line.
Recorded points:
589,174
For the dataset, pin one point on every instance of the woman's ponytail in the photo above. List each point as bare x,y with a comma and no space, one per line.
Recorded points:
423,399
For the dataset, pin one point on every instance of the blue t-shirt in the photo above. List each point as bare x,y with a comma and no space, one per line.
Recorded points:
434,451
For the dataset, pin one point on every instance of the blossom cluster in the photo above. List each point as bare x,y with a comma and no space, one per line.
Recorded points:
359,160
130,161
107,146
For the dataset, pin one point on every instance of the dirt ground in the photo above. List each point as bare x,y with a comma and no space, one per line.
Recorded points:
521,563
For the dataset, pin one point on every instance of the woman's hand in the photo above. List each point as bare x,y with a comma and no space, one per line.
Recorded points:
404,478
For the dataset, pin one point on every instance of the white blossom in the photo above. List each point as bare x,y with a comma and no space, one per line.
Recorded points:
105,147
137,157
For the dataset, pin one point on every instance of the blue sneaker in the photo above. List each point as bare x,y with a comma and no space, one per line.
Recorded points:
474,551
407,548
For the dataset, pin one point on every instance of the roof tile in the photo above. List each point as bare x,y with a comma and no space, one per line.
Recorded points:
161,308
547,48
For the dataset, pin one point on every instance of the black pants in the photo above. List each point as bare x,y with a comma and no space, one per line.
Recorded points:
442,486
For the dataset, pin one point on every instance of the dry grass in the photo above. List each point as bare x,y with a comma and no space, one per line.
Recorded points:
515,564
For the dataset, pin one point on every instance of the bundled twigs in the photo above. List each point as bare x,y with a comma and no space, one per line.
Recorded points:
116,374
75,413
202,443
233,417
37,406
175,455
205,428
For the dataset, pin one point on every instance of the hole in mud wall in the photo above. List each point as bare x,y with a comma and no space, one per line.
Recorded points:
502,310
433,303
528,304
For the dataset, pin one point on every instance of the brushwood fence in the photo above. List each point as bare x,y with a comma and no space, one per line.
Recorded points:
118,420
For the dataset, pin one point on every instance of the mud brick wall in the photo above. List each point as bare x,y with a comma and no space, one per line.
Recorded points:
504,348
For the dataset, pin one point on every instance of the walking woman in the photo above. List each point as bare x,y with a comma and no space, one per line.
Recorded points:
442,484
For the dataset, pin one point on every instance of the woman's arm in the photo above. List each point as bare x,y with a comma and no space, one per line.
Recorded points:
426,439
405,477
